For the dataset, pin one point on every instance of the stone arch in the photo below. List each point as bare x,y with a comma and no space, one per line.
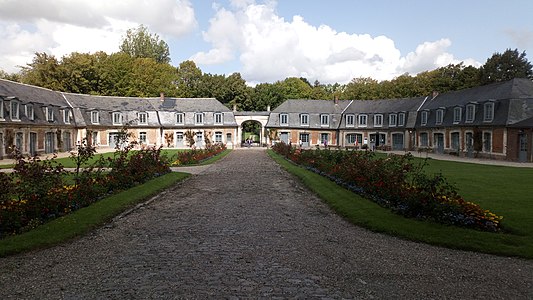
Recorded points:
258,117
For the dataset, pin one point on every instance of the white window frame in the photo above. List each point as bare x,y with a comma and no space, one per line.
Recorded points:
218,118
362,120
324,120
393,120
401,119
95,117
350,120
283,119
49,114
143,137
180,117
66,116
2,109
117,118
199,136
439,116
143,118
218,136
30,112
199,118
304,119
457,115
14,111
378,120
470,113
488,112
424,117
426,139
485,133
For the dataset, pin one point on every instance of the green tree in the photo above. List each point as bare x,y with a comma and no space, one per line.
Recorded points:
140,43
189,78
361,89
12,76
296,88
267,94
43,71
506,66
80,72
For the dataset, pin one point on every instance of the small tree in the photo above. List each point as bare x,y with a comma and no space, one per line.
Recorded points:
84,152
189,136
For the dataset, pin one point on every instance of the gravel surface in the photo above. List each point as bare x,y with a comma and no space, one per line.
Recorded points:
244,228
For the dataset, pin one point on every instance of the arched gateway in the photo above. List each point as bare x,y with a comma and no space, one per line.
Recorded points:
260,117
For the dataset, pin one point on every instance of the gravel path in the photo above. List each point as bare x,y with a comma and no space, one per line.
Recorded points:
244,228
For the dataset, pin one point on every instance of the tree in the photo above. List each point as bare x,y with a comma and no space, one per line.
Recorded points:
80,73
506,66
189,78
43,71
12,76
140,43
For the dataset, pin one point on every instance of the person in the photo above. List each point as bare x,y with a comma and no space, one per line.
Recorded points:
300,143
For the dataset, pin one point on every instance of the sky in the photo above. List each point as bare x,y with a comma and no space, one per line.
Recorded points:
267,40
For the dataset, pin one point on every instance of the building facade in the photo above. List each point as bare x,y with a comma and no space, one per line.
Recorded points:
493,121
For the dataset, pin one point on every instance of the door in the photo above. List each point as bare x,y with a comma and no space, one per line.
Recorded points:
304,140
455,142
522,147
49,142
67,145
1,145
199,139
179,139
113,140
33,143
324,139
284,137
439,143
397,141
469,143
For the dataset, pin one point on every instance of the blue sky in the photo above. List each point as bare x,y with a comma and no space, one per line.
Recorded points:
330,41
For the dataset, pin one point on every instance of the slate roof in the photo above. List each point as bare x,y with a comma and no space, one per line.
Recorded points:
314,108
29,93
188,105
109,103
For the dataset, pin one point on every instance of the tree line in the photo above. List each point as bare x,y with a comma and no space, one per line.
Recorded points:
142,69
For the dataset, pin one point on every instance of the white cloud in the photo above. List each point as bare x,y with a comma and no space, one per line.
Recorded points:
271,48
60,27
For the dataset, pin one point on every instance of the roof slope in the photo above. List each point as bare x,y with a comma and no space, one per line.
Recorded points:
30,93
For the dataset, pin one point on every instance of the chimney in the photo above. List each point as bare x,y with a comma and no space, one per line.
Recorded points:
234,107
268,107
336,99
162,96
435,94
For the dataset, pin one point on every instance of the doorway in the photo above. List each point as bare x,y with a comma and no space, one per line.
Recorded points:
522,147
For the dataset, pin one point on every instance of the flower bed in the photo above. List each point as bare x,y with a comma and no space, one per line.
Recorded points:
38,191
396,183
195,156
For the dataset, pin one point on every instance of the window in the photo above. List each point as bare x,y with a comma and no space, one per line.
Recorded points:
424,140
218,137
324,120
179,118
218,118
304,119
49,113
143,118
455,141
392,120
142,137
424,118
179,138
1,110
487,142
66,116
488,113
470,113
15,107
401,119
378,120
363,120
283,119
354,139
199,118
350,120
199,136
29,112
95,118
117,118
440,116
324,138
457,115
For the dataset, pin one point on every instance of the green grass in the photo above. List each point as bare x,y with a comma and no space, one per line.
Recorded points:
503,190
86,219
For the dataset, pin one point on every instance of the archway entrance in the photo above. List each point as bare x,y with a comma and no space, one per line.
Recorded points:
251,133
251,125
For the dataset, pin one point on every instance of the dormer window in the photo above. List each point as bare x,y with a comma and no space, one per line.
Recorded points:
15,108
392,120
199,118
143,118
179,118
324,120
283,119
401,119
117,118
363,119
304,120
457,115
440,116
1,109
218,118
67,115
29,112
49,114
488,112
350,120
378,120
424,118
95,117
470,113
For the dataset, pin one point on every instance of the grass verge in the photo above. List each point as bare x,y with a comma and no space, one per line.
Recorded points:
516,241
86,219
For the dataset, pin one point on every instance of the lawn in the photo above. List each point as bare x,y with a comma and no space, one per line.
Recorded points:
503,190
